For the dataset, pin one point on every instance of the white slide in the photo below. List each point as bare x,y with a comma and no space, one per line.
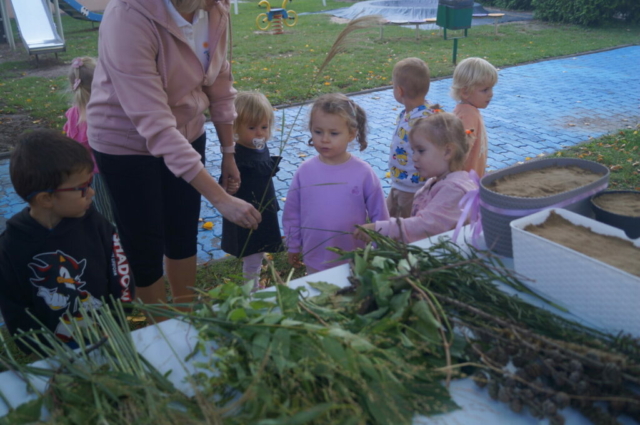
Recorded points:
37,29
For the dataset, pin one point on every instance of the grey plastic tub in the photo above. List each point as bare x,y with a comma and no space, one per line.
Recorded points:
499,210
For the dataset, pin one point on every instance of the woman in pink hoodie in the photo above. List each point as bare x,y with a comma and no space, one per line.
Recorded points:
161,64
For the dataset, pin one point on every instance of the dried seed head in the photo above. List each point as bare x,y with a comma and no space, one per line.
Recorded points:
504,395
617,406
548,367
512,350
634,407
493,390
592,356
519,361
560,378
561,399
479,378
523,375
516,405
536,412
611,374
556,355
549,407
575,376
556,419
534,369
502,358
510,382
575,366
582,387
526,394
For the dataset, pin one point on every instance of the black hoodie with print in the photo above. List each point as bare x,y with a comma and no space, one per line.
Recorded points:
50,273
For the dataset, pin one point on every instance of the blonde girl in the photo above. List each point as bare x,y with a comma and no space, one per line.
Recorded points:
472,88
80,79
251,132
440,146
334,191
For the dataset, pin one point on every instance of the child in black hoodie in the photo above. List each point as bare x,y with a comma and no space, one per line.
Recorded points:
58,253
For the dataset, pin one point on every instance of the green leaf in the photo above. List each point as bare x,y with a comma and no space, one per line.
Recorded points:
238,314
260,343
259,305
26,413
335,349
280,348
381,289
309,415
287,299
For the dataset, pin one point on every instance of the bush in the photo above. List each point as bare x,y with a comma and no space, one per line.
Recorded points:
587,12
510,4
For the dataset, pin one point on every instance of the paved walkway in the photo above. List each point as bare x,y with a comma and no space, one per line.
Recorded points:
536,109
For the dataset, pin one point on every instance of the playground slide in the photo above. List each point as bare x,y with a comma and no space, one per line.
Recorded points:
78,11
35,23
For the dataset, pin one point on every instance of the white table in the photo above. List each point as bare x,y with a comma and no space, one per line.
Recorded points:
166,344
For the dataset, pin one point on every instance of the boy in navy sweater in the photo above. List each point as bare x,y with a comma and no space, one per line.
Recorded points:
58,253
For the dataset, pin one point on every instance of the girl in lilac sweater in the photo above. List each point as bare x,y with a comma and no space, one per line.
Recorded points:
440,146
333,192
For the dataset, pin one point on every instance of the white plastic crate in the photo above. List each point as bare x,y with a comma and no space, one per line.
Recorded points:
597,292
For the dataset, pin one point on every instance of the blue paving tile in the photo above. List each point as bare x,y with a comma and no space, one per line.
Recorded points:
537,108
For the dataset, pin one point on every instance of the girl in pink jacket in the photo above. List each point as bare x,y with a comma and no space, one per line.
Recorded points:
80,79
440,146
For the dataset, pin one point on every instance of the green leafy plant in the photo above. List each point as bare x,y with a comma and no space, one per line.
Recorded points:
587,12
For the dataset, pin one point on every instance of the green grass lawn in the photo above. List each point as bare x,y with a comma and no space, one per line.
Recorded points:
283,66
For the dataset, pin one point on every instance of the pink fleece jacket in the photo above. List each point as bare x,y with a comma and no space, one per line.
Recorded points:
435,209
150,89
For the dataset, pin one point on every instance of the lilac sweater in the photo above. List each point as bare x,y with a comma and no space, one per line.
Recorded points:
435,209
325,203
150,89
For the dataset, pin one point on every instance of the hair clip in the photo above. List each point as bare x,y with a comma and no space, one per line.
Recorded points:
76,84
77,63
469,132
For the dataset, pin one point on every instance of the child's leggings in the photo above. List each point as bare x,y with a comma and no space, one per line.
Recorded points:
251,267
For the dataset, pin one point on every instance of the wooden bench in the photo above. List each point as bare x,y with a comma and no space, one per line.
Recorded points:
496,16
417,24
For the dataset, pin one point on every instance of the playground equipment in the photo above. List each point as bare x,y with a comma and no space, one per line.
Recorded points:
78,11
276,17
35,23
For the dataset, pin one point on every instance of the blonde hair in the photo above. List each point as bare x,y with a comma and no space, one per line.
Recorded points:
350,111
412,75
471,73
189,6
253,108
444,129
80,79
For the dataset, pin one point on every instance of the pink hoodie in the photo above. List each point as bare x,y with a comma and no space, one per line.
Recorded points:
150,90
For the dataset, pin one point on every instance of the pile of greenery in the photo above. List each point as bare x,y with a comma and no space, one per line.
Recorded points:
377,352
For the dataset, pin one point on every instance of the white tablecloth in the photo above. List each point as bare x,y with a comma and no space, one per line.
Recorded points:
166,344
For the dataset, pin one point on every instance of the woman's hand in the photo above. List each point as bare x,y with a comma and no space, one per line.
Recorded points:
230,174
233,209
239,212
359,234
294,259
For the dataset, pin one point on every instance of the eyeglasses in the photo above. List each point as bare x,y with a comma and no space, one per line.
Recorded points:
82,188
